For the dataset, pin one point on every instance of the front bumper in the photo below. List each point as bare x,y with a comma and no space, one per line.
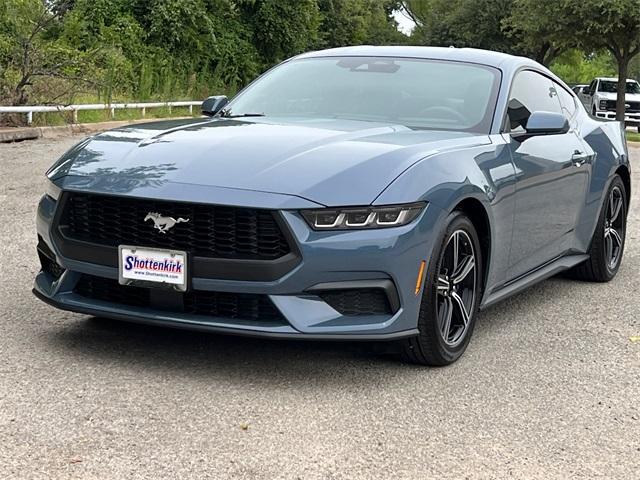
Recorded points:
629,118
340,259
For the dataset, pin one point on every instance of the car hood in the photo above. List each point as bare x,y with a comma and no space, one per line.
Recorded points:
331,162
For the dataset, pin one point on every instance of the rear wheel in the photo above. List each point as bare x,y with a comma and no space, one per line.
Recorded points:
450,297
607,245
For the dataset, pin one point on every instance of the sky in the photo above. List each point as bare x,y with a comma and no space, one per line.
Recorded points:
405,24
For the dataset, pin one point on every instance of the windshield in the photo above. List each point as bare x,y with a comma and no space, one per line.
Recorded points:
417,93
609,86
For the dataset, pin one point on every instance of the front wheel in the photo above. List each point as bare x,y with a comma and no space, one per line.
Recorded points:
450,297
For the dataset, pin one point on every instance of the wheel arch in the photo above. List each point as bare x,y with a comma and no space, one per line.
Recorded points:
625,175
475,210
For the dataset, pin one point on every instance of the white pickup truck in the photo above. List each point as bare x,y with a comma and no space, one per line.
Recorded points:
600,100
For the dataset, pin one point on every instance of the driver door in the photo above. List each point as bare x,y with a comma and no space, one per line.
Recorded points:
551,177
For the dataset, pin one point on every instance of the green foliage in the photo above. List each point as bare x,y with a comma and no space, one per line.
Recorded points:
542,30
633,136
354,22
35,62
521,27
575,67
119,50
460,23
613,25
281,28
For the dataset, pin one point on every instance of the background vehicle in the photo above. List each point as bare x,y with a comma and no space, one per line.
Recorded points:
600,100
580,89
363,193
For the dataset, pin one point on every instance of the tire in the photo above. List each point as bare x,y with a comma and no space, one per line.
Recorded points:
444,293
601,267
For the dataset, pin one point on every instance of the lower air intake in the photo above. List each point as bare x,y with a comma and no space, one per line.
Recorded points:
358,301
246,307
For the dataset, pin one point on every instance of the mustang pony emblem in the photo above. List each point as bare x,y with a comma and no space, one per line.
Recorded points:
163,223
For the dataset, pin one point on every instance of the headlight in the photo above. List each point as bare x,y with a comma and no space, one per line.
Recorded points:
603,105
362,217
52,190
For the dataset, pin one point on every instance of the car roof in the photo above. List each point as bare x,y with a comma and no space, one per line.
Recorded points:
471,55
614,79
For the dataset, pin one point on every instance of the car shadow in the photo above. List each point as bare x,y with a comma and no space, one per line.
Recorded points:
510,310
210,355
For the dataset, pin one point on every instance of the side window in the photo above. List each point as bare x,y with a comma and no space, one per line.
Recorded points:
567,101
592,87
530,92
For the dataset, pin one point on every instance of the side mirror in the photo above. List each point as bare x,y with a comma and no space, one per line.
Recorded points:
213,105
546,123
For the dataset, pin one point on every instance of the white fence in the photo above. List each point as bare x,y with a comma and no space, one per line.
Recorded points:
30,109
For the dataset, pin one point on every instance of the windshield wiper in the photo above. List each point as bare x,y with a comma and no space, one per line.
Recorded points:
228,114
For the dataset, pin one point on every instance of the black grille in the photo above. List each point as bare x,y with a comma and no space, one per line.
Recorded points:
243,306
611,106
358,301
108,290
235,306
212,231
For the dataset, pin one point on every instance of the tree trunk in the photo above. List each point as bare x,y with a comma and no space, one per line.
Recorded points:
623,67
541,54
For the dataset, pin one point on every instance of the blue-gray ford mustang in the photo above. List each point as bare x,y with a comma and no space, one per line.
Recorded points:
362,193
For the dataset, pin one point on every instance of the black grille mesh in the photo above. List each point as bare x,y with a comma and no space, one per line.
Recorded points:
212,231
235,306
108,290
633,107
358,301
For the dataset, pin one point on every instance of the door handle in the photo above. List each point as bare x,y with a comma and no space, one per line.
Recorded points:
578,158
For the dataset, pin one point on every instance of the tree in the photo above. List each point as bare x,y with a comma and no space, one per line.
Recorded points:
281,28
540,30
613,25
354,22
537,29
460,23
530,28
574,66
31,55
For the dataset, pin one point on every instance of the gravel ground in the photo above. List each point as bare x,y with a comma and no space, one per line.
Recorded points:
549,387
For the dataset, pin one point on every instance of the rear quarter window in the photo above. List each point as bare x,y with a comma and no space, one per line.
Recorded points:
567,101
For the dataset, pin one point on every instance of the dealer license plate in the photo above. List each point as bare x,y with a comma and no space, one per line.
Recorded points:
140,265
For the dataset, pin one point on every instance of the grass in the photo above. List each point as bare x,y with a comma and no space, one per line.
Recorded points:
46,119
633,136
94,116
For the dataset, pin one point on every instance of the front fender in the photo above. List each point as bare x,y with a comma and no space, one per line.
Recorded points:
484,173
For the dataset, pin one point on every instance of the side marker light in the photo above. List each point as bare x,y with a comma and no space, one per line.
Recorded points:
420,277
